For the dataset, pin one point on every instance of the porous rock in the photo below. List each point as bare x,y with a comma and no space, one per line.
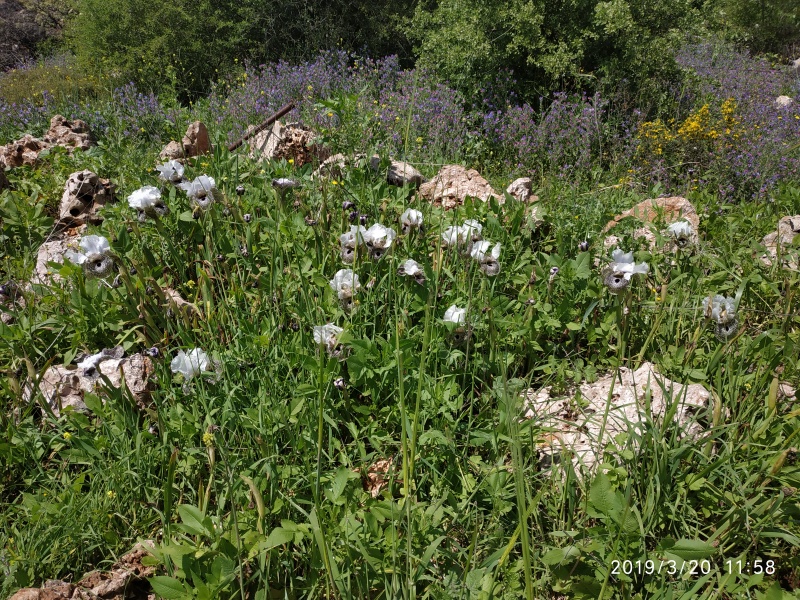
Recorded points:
84,195
126,580
194,143
53,250
64,387
398,173
521,189
453,184
292,141
63,132
72,135
574,425
336,165
24,151
652,211
782,238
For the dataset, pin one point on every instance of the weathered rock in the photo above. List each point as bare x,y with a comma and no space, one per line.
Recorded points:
293,141
783,102
124,581
575,427
64,387
788,228
651,211
53,251
84,195
196,140
194,143
70,134
521,190
453,184
399,173
24,151
336,165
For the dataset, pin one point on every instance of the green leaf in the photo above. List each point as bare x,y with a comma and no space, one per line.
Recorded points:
687,549
603,497
278,537
168,588
194,521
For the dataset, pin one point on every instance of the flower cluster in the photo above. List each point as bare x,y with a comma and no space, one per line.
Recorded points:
462,237
345,283
327,336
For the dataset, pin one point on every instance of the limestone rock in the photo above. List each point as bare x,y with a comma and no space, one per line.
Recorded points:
453,184
653,210
783,102
64,387
53,251
24,151
574,427
84,195
399,173
336,165
194,143
521,190
70,134
125,581
788,228
293,141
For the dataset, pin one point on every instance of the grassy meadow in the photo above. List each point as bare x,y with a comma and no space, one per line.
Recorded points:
389,456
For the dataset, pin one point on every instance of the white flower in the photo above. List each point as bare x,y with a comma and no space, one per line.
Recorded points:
91,362
202,190
379,239
350,241
345,284
191,364
618,274
327,335
96,256
723,312
410,219
450,236
147,200
471,230
489,261
455,315
170,171
681,232
412,268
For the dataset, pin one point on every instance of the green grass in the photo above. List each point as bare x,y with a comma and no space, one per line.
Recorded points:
249,478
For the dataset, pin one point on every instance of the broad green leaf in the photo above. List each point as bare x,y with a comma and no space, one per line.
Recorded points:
278,537
194,521
168,588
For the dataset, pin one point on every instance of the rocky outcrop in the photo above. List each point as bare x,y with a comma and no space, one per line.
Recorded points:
521,189
53,250
453,184
194,143
781,240
398,173
126,580
655,210
574,426
65,387
293,141
84,195
63,132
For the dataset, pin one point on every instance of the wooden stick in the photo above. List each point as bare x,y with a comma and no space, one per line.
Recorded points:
262,127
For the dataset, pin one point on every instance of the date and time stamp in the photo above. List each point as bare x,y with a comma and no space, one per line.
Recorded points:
690,568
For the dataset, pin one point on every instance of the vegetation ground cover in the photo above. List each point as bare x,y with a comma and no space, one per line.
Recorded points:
251,476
